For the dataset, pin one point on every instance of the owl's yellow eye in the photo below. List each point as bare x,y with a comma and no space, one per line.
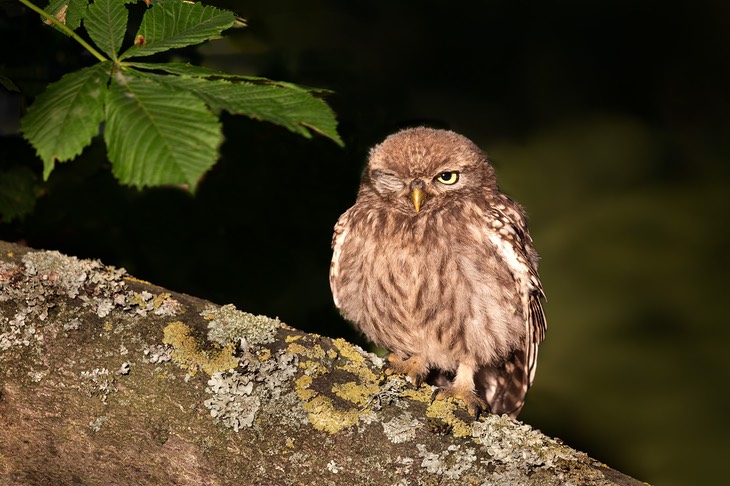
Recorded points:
448,177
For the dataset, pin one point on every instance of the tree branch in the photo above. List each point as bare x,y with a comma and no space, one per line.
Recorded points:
109,380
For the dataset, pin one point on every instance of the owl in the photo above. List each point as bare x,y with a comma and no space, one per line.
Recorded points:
435,264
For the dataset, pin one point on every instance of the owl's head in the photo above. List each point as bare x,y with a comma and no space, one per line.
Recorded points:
423,168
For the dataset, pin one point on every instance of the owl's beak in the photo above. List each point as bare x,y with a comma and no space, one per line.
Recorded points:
417,196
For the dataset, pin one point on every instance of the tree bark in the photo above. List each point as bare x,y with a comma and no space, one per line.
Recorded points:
105,379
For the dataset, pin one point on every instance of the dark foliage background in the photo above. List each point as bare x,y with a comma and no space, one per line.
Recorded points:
607,120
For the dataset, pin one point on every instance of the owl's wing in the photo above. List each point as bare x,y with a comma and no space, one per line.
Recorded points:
509,235
338,239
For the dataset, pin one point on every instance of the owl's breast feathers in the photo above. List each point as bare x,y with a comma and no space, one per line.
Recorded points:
479,281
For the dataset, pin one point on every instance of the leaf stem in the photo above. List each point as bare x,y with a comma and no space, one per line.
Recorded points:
65,29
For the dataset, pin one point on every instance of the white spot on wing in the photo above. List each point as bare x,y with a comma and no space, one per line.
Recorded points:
337,244
510,256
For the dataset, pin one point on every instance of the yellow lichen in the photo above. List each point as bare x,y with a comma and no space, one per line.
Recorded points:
359,394
443,409
440,409
324,416
314,352
187,354
323,411
292,337
160,299
422,394
108,326
312,368
295,348
302,387
133,279
263,354
348,351
355,362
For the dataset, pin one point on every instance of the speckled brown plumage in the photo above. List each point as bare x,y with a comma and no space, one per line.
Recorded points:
434,263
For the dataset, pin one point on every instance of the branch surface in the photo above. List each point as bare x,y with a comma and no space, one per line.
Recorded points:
106,379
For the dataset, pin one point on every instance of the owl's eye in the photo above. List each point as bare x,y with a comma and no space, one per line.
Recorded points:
449,177
385,181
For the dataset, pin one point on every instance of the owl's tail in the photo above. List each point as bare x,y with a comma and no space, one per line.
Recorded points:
505,386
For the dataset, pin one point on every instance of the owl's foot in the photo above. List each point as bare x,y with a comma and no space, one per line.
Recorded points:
412,367
474,404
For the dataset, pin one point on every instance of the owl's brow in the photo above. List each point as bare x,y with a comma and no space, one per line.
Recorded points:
380,172
448,164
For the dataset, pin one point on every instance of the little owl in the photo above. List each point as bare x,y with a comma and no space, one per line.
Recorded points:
435,264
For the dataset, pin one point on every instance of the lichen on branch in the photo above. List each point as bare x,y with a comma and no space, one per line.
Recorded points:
92,359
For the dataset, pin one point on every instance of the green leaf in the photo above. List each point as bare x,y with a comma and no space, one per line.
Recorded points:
187,69
106,23
173,23
66,116
19,189
294,109
156,135
69,12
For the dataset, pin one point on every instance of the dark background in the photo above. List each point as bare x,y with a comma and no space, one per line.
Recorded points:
606,120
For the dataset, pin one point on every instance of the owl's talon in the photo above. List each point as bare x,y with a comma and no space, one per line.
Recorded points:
475,405
412,367
482,411
417,381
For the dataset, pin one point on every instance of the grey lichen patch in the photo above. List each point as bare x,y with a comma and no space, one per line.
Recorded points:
48,283
72,324
159,304
99,382
157,353
125,369
275,374
298,458
36,376
35,285
508,441
232,403
390,393
401,428
97,423
167,306
451,463
68,274
333,467
238,394
17,330
286,411
228,324
104,307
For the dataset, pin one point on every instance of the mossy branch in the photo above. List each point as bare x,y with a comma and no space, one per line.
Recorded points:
164,388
